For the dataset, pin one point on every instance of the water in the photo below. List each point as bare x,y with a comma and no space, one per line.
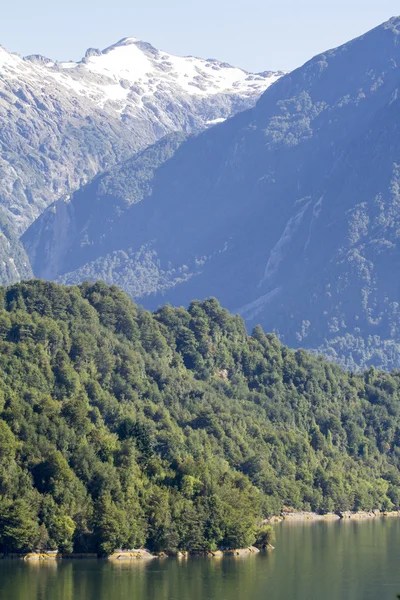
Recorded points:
312,561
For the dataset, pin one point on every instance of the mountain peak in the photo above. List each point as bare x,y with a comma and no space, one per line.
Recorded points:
112,103
288,213
132,69
392,23
38,58
126,41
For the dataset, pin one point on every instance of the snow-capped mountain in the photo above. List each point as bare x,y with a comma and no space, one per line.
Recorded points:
288,213
130,72
61,123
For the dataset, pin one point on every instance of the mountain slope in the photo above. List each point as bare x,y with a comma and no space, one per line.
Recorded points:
61,123
177,430
287,212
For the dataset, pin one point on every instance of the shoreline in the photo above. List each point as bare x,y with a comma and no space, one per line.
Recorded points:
127,555
142,554
302,516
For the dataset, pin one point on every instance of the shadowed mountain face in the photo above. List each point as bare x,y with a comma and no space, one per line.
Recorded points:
288,213
62,123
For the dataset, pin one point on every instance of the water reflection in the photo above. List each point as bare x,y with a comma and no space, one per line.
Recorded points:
319,561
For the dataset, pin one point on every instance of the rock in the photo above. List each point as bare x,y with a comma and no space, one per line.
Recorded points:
36,556
130,555
223,374
241,551
390,514
92,52
356,515
274,519
308,516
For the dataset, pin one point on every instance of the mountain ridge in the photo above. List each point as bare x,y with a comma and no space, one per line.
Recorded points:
62,123
264,211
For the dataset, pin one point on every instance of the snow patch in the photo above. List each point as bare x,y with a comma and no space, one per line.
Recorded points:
140,65
216,121
131,74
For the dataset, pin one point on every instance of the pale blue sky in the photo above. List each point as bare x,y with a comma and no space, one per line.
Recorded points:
254,34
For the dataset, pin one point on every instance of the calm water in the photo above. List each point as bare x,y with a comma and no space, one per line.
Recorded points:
319,561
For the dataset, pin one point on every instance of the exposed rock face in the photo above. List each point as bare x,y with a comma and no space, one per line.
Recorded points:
136,554
288,213
62,123
242,551
357,515
309,516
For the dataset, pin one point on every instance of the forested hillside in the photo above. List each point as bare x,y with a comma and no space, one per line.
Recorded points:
177,429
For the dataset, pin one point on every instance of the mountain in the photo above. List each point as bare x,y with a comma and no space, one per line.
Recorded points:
287,213
63,122
175,430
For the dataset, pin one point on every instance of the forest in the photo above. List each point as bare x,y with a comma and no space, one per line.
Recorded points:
174,430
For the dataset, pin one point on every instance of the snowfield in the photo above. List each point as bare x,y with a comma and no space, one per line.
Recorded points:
123,75
61,123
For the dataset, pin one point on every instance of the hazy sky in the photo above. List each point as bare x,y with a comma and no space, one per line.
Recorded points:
254,34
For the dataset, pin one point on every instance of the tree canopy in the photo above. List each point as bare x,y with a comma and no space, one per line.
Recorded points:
174,430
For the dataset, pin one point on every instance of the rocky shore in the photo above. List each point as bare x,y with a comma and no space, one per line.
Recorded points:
369,514
132,554
293,516
143,554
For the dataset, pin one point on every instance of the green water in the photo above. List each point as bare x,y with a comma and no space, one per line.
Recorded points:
318,561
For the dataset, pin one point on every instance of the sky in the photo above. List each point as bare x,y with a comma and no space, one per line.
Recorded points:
256,35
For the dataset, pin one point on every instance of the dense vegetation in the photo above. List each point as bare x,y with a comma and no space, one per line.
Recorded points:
177,430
